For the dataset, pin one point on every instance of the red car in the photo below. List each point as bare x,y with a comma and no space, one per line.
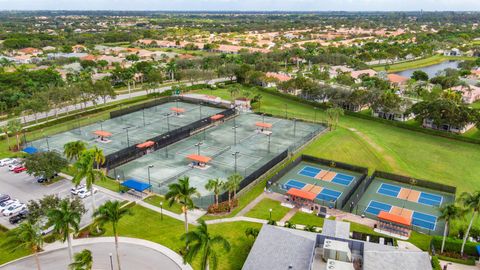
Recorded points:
19,169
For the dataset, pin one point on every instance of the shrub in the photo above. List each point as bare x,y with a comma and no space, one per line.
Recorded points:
96,231
50,238
456,258
436,263
454,246
222,207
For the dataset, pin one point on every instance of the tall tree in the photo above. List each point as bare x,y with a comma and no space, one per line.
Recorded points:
46,164
65,220
201,242
216,186
6,131
29,236
182,193
448,213
98,156
233,183
15,126
112,212
171,69
471,201
72,150
82,260
333,114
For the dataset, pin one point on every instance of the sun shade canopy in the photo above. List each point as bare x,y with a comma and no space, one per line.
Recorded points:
263,125
301,194
177,110
386,216
217,117
102,133
30,150
136,185
145,144
199,158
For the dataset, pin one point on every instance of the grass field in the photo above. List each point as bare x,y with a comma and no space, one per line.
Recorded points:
262,210
432,60
7,255
307,219
156,200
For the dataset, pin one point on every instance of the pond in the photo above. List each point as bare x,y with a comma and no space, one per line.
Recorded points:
430,70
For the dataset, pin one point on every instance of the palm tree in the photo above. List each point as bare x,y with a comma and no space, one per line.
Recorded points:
82,260
448,213
65,219
6,130
200,242
72,150
84,169
98,156
471,201
15,126
233,183
111,212
332,115
216,186
28,236
182,193
171,69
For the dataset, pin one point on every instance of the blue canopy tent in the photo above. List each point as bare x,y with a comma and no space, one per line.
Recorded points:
478,250
136,185
30,150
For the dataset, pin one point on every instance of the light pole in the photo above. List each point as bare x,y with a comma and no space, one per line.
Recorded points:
111,261
128,139
149,181
161,210
270,210
235,135
294,127
168,121
269,142
48,145
101,125
315,109
143,113
166,146
200,110
286,110
198,147
235,155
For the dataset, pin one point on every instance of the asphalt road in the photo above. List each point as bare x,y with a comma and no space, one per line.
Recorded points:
131,257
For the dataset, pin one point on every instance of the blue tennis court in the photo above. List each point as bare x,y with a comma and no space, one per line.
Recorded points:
430,199
424,220
293,184
343,179
329,195
389,190
375,207
309,171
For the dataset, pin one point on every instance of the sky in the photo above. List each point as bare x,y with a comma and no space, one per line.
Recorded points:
244,5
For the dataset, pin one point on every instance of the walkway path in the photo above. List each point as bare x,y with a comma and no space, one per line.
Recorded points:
134,254
289,215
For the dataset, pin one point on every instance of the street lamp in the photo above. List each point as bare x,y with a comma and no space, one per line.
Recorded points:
234,135
149,181
200,110
269,135
168,120
101,125
235,155
111,261
48,145
143,113
161,210
270,210
128,139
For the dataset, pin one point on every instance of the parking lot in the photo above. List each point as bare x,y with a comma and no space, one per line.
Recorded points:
24,188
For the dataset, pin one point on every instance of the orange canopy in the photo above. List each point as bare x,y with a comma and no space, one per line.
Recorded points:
145,144
217,117
301,194
394,218
199,158
263,125
102,133
177,110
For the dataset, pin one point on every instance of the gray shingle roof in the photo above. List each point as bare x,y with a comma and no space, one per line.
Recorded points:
336,229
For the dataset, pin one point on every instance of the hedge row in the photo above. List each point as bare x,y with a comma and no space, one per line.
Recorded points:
455,245
372,118
436,263
468,261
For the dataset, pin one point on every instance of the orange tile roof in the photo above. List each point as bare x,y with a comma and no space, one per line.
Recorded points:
177,110
217,117
395,78
394,218
145,144
263,125
301,194
102,133
278,76
199,158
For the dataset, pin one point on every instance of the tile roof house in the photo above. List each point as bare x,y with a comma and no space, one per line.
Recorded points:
470,93
397,80
357,73
29,51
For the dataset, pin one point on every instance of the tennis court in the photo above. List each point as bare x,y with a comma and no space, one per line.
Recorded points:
330,184
129,129
238,145
420,205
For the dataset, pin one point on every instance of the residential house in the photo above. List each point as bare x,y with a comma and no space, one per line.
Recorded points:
401,114
356,74
273,78
428,123
282,248
397,80
29,51
470,93
452,52
79,48
335,70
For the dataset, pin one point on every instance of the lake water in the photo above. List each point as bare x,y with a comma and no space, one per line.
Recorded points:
430,70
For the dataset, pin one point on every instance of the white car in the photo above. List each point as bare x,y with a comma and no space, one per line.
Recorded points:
14,209
5,162
6,204
77,189
85,193
14,165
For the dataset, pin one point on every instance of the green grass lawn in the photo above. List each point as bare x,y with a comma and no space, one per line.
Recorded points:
307,219
262,210
156,200
146,224
6,254
432,60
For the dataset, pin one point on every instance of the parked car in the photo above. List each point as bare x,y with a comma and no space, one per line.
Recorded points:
18,217
43,224
77,189
20,169
41,179
4,197
6,204
14,165
85,193
6,162
14,209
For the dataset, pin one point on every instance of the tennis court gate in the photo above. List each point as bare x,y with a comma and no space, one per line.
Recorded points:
133,152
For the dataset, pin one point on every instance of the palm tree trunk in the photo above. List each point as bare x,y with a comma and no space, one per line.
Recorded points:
116,250
18,142
37,260
94,205
186,220
467,232
70,248
216,199
8,140
444,236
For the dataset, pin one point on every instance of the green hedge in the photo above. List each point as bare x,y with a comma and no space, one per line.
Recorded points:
436,263
455,245
468,261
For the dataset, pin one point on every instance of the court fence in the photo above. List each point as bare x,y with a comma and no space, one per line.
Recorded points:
415,182
133,152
